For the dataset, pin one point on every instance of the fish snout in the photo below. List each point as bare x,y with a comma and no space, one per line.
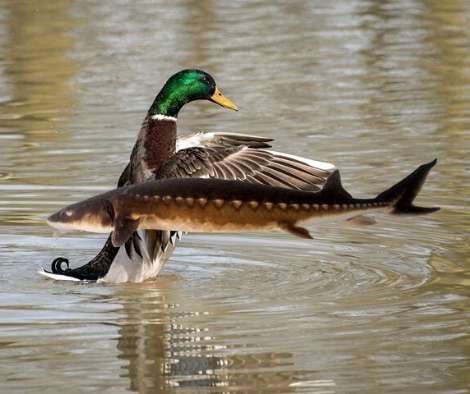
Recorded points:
91,215
63,219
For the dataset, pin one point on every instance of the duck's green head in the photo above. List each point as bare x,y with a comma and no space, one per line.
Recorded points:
186,86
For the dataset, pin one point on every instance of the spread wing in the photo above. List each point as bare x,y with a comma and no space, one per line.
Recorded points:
247,164
222,139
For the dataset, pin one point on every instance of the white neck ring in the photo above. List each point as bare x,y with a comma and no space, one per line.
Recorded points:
163,117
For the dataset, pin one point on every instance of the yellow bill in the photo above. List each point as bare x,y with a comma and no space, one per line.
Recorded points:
220,99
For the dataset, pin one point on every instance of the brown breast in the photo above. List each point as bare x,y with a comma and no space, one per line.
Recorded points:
155,144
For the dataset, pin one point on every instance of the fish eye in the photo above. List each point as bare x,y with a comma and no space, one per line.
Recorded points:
68,212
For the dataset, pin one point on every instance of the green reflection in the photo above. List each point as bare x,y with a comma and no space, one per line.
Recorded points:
37,68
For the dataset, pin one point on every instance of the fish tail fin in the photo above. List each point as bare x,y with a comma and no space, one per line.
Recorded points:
402,194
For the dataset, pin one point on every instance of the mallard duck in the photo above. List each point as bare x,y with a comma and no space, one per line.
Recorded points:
227,156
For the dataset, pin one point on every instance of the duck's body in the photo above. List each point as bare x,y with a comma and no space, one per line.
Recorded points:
158,154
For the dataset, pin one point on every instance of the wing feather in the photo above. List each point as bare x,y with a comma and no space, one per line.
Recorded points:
243,157
244,163
222,139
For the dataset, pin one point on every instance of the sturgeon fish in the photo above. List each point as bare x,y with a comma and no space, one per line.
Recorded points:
215,205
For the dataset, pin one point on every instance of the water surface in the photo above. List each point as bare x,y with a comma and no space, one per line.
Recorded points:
374,87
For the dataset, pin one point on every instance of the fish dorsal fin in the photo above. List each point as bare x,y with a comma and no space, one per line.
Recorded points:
123,230
334,189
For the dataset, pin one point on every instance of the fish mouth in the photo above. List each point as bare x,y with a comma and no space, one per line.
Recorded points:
88,222
60,226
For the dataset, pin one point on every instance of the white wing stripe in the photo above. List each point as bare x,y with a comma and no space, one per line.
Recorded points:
313,163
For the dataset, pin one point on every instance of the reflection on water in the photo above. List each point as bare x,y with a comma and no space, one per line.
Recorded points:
163,354
37,97
375,87
36,69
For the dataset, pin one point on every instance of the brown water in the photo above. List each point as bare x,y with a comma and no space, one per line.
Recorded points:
376,87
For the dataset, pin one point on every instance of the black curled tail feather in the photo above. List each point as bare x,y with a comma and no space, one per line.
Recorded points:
56,265
95,269
402,194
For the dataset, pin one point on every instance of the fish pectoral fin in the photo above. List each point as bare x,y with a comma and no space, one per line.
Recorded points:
298,231
362,220
123,230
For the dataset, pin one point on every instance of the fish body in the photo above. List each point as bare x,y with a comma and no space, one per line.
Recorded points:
215,205
203,205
